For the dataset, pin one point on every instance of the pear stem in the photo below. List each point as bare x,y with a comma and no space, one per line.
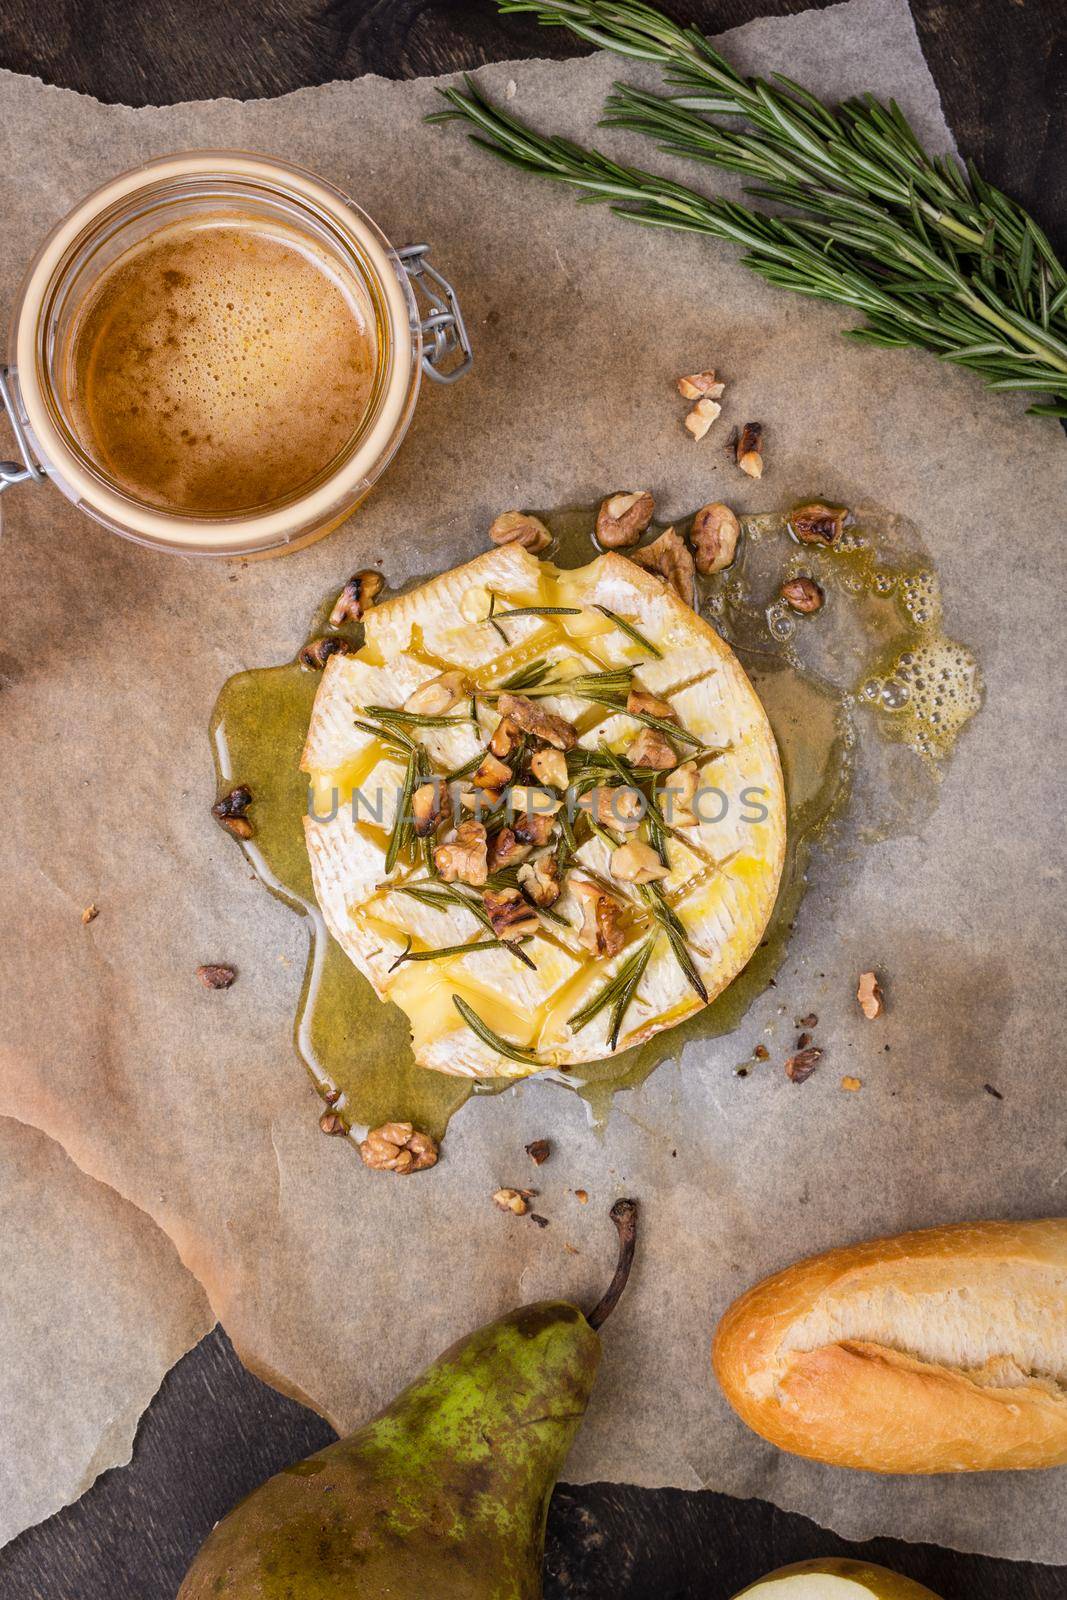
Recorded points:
624,1215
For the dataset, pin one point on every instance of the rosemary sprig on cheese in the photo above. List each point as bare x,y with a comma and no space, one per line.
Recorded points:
618,993
495,1041
630,631
446,950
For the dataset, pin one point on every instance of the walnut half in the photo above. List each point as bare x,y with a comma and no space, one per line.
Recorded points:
511,916
518,527
532,718
356,598
465,858
714,533
623,518
670,558
398,1147
601,933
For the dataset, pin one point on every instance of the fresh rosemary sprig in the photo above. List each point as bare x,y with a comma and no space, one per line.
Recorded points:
672,926
505,1047
618,992
408,954
617,703
527,677
541,611
630,631
491,619
402,829
929,255
392,737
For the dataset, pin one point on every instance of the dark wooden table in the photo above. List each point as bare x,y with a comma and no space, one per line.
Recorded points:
213,1432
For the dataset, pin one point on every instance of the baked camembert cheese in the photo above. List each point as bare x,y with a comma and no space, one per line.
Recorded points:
546,811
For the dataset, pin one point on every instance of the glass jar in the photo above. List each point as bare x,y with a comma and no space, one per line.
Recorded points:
411,314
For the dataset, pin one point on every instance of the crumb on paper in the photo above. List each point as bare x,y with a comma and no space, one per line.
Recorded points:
539,1151
535,1216
852,1084
511,1200
989,1089
572,1249
582,1197
810,1021
90,914
700,419
761,1053
333,1123
217,975
800,1067
870,996
511,89
700,386
803,1040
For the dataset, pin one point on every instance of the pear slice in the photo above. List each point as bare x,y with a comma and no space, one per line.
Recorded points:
836,1578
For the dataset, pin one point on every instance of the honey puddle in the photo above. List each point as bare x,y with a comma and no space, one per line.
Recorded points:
866,699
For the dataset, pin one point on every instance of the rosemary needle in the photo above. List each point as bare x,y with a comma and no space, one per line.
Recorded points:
631,632
408,954
505,1047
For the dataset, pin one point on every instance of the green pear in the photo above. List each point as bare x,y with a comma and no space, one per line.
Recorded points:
836,1578
445,1493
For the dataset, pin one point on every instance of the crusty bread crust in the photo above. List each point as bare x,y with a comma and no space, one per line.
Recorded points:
884,1396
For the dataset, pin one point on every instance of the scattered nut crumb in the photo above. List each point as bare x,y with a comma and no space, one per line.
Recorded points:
542,1222
539,1151
331,1122
702,416
331,1096
803,1040
803,1064
870,996
581,1196
989,1089
230,810
518,527
761,1053
803,594
700,385
217,976
852,1084
398,1147
356,598
713,533
748,449
810,1021
572,1249
90,914
317,652
511,89
511,1200
817,524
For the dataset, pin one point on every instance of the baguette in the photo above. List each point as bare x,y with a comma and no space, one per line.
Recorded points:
943,1350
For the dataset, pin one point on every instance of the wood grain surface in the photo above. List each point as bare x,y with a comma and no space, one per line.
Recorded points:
214,1432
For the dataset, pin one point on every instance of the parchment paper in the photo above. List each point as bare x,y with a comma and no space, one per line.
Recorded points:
95,1308
340,1282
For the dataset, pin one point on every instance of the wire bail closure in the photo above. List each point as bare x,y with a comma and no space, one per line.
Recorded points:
15,471
446,353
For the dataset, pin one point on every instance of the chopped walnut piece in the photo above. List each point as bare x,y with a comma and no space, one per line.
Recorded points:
465,858
637,862
532,718
817,523
534,827
333,1123
540,881
230,811
90,914
621,807
518,527
870,996
670,558
852,1084
761,1053
430,806
650,748
600,932
529,800
398,1147
511,1200
317,652
713,533
550,767
437,695
582,1197
810,1021
492,775
357,597
511,916
507,736
748,449
623,518
217,976
697,385
802,594
505,850
803,1064
650,705
678,795
539,1151
700,419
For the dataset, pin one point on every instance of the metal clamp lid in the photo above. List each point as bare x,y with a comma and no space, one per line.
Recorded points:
446,353
15,471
